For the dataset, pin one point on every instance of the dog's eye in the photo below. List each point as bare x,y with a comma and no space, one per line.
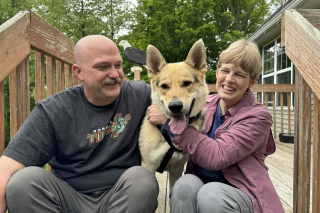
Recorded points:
164,86
186,83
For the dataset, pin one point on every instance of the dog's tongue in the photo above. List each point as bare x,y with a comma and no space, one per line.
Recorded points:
177,124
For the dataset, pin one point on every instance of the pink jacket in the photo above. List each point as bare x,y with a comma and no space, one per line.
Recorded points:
242,143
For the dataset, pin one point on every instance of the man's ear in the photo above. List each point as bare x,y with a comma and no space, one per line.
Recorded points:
77,71
155,60
253,82
197,57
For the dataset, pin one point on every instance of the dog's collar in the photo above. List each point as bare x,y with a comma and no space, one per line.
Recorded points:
194,118
190,110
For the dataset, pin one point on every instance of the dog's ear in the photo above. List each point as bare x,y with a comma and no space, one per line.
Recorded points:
197,57
155,60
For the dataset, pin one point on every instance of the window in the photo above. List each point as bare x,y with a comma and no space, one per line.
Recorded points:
268,61
277,69
283,60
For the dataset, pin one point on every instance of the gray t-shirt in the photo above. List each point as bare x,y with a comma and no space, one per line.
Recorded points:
88,146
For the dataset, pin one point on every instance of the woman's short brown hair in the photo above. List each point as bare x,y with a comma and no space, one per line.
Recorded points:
244,54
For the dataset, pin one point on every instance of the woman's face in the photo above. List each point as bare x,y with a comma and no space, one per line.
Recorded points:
232,83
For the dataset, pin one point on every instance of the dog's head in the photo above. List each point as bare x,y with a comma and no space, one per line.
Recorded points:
179,89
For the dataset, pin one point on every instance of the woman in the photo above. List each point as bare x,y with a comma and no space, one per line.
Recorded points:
226,170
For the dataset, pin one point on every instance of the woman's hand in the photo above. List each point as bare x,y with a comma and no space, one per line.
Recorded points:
154,116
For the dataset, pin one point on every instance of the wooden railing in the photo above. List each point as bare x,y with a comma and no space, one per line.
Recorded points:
301,37
21,34
26,32
263,91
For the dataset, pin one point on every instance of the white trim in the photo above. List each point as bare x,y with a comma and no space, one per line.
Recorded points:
268,75
285,70
274,21
272,40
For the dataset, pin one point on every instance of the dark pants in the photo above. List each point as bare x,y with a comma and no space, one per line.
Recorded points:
33,189
190,195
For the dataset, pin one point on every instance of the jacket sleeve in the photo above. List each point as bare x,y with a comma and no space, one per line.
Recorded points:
238,141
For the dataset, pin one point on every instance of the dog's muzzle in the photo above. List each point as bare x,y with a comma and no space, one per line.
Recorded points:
175,106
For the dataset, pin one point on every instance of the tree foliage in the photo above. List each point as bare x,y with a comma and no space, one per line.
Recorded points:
170,25
174,25
79,18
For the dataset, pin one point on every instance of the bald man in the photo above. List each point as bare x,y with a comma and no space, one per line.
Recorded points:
89,136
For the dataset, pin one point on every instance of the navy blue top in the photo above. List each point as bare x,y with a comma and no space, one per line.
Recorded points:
204,174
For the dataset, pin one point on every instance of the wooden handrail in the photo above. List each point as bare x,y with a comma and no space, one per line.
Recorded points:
263,88
14,42
27,30
20,34
301,37
48,40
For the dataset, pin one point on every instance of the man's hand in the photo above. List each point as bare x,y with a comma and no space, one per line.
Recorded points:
8,167
154,116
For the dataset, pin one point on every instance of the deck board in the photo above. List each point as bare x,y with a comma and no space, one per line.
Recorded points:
281,173
280,166
163,193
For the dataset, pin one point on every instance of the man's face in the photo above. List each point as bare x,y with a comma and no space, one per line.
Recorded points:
101,70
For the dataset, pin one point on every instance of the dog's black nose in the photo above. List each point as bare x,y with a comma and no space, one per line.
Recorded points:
175,106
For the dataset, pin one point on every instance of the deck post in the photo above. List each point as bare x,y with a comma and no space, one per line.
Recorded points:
302,146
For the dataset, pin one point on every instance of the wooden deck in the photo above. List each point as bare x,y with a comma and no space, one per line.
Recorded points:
281,173
280,170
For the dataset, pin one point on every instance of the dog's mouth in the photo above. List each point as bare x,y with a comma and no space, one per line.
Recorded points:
178,124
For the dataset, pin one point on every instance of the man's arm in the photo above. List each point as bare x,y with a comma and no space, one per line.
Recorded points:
8,167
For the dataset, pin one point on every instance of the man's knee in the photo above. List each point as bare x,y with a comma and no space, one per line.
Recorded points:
186,187
142,179
183,197
212,195
190,179
23,180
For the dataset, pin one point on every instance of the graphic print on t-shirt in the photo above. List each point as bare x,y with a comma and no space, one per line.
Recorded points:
115,129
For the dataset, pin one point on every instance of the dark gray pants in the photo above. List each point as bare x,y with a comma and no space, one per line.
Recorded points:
190,195
34,190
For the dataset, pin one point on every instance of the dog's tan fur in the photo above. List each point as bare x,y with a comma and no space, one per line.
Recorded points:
170,82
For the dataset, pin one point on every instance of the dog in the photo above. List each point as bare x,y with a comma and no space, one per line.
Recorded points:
179,91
